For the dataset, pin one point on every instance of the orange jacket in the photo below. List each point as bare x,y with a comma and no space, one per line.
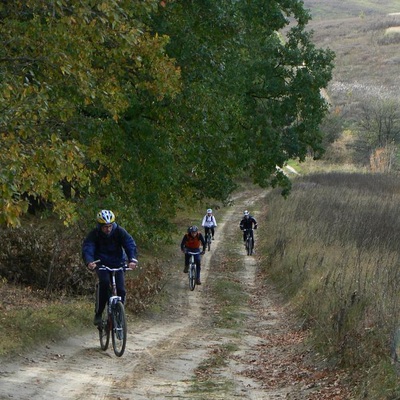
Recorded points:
193,243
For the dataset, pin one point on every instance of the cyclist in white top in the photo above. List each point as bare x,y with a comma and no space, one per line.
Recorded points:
209,223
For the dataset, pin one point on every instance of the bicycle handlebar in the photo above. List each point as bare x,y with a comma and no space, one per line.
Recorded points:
115,269
105,268
191,253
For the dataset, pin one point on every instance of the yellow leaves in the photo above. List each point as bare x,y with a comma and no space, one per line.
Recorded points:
11,211
163,77
7,91
65,69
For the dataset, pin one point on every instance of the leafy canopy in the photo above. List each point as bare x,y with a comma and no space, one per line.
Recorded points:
140,106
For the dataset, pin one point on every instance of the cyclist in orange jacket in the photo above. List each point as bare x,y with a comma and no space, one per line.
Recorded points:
191,242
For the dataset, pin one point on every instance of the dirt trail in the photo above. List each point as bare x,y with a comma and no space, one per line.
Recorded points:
164,351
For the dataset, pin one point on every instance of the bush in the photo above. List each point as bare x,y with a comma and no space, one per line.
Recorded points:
43,255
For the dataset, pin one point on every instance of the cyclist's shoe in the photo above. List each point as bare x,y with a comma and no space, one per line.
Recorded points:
97,320
186,269
198,282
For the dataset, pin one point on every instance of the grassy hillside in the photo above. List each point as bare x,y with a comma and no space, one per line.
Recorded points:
333,9
367,50
365,36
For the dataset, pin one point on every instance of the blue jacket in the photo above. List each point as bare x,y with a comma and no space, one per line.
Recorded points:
112,250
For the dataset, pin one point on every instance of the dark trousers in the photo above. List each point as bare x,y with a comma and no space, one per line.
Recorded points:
206,229
104,288
197,260
250,231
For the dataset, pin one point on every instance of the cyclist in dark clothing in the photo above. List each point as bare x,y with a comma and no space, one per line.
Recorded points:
191,241
113,246
248,222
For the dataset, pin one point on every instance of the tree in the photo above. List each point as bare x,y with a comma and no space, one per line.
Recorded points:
135,105
379,122
251,95
69,70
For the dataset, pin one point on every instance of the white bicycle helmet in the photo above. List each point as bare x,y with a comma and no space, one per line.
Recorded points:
245,213
209,211
193,228
105,217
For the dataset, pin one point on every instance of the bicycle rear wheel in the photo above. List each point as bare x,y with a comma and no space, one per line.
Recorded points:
119,329
104,330
192,276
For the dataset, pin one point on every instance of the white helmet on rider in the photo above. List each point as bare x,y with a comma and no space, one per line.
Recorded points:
105,217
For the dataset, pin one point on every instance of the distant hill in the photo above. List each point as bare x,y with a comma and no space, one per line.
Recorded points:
366,39
365,36
332,9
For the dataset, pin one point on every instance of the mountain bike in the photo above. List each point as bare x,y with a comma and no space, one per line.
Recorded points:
249,242
113,320
192,270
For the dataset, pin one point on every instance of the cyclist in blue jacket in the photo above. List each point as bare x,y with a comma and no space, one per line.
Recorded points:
113,246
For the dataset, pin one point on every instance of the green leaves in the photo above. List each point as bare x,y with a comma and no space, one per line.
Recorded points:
251,91
138,106
68,73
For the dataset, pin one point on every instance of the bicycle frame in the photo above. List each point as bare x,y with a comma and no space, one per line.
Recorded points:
115,322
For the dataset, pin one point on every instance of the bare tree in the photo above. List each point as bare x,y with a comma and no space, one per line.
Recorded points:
380,122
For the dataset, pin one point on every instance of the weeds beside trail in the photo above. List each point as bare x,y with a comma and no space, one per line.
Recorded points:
333,249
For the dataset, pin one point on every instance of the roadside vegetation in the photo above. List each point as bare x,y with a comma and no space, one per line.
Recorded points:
333,249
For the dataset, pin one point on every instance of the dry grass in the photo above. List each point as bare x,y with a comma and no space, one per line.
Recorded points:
366,63
333,249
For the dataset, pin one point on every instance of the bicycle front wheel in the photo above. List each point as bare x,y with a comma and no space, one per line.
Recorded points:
192,276
119,329
250,247
104,330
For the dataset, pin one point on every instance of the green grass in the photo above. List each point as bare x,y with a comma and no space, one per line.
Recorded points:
22,330
229,296
206,377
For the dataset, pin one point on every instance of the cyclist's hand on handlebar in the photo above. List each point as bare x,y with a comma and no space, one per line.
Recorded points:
132,265
91,265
